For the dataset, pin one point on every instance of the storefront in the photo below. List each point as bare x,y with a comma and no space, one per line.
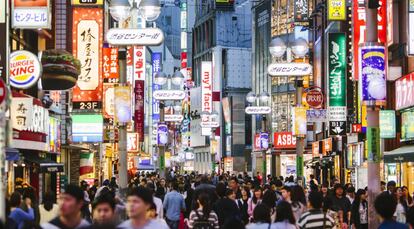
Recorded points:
331,160
355,169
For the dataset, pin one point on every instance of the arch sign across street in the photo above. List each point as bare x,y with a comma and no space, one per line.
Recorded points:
146,37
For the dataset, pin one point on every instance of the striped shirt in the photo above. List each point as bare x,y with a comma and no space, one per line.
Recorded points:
314,219
212,218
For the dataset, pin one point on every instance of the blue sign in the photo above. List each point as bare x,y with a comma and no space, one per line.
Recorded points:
373,73
264,140
162,134
156,67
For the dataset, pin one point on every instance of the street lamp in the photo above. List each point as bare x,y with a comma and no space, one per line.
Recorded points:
120,10
300,48
277,47
150,9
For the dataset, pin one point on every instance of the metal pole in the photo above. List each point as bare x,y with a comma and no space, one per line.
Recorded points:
122,128
264,152
161,148
300,140
372,119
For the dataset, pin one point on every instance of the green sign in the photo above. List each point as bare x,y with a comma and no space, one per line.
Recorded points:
299,166
337,69
407,125
373,142
387,124
162,162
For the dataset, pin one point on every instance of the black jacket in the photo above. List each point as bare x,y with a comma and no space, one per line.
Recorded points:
355,216
226,209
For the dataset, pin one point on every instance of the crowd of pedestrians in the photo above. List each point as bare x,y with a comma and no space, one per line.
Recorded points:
210,201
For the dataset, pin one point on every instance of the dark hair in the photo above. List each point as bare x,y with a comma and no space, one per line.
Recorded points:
104,199
410,216
254,199
336,187
269,198
204,179
278,183
316,199
221,189
15,199
174,185
385,205
284,212
287,188
48,201
229,192
350,189
247,190
391,183
204,200
235,179
298,195
143,193
261,213
74,191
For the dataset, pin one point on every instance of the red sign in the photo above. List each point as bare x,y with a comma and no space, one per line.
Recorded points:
183,60
314,97
356,128
3,91
139,109
404,92
139,63
110,64
257,144
359,21
284,140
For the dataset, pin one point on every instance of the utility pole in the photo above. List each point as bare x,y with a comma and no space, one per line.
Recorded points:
161,148
264,151
122,128
300,140
371,10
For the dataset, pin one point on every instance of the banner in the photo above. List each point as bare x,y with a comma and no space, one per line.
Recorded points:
87,44
86,164
336,10
358,25
162,134
299,120
108,100
110,65
123,104
206,93
387,123
31,14
139,109
372,70
373,139
337,69
139,63
410,27
407,126
156,67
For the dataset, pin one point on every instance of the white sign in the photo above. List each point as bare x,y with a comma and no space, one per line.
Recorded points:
411,34
88,54
337,113
173,118
289,69
132,142
316,115
258,110
169,95
209,124
206,92
25,69
145,37
28,117
31,17
139,63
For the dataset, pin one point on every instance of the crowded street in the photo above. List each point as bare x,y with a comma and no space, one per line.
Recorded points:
207,114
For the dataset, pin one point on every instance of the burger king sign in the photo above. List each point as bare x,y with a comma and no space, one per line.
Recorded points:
25,69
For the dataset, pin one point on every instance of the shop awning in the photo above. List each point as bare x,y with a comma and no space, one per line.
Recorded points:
46,165
402,154
12,154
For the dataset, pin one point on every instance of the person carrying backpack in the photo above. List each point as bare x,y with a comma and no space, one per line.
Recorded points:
203,217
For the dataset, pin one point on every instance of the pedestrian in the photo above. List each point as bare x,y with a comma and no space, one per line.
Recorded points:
161,189
407,198
103,210
234,185
152,214
391,187
255,200
243,204
359,210
315,217
284,217
70,205
350,194
341,205
93,189
269,198
261,217
385,205
86,214
49,209
298,201
29,192
410,217
157,201
203,217
205,186
139,201
399,213
226,207
173,204
105,186
18,215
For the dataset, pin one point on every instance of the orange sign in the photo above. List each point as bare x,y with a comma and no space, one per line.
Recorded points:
315,149
110,64
326,146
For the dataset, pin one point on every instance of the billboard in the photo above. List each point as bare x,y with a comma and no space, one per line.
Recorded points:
372,70
407,125
284,140
87,45
31,14
337,69
110,66
156,67
87,128
404,92
206,92
387,123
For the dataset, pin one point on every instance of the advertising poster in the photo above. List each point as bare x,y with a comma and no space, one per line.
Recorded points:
162,134
407,125
206,93
122,104
227,114
139,109
387,123
373,73
34,14
336,10
108,100
373,139
299,121
87,45
301,10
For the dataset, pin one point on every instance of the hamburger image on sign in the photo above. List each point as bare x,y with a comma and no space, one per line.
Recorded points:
25,69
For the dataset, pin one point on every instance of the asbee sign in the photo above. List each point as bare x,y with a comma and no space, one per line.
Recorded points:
284,140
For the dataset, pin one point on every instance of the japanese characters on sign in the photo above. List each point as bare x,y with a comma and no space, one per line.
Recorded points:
206,91
258,110
337,113
359,18
87,43
407,125
108,101
169,95
336,10
156,67
25,69
404,92
110,65
372,70
143,37
132,142
139,63
284,140
316,115
31,14
314,97
28,116
87,2
289,69
387,123
139,91
174,118
337,69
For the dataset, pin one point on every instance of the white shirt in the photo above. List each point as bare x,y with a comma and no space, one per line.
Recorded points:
46,216
160,208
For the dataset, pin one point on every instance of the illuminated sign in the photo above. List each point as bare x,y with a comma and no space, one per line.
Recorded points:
284,140
25,69
258,110
87,128
289,69
336,10
31,14
143,37
404,92
169,95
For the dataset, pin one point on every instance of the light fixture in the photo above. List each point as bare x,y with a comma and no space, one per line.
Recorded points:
300,47
251,97
264,97
120,10
150,9
277,47
160,78
177,78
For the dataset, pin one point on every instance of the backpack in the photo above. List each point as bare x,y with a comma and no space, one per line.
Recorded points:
202,222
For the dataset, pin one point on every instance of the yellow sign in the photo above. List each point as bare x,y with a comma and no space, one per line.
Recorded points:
336,10
87,2
299,121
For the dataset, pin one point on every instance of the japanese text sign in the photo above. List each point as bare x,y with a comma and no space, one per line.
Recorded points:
337,69
110,65
139,63
404,92
336,10
146,37
387,123
31,14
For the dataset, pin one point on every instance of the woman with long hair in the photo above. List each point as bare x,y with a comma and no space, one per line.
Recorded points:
359,210
243,204
48,210
261,217
270,198
254,200
400,211
407,198
298,201
203,213
284,217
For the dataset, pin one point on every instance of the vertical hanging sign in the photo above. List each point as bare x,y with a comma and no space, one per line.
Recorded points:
206,93
139,63
139,109
87,42
110,66
411,27
336,10
301,10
